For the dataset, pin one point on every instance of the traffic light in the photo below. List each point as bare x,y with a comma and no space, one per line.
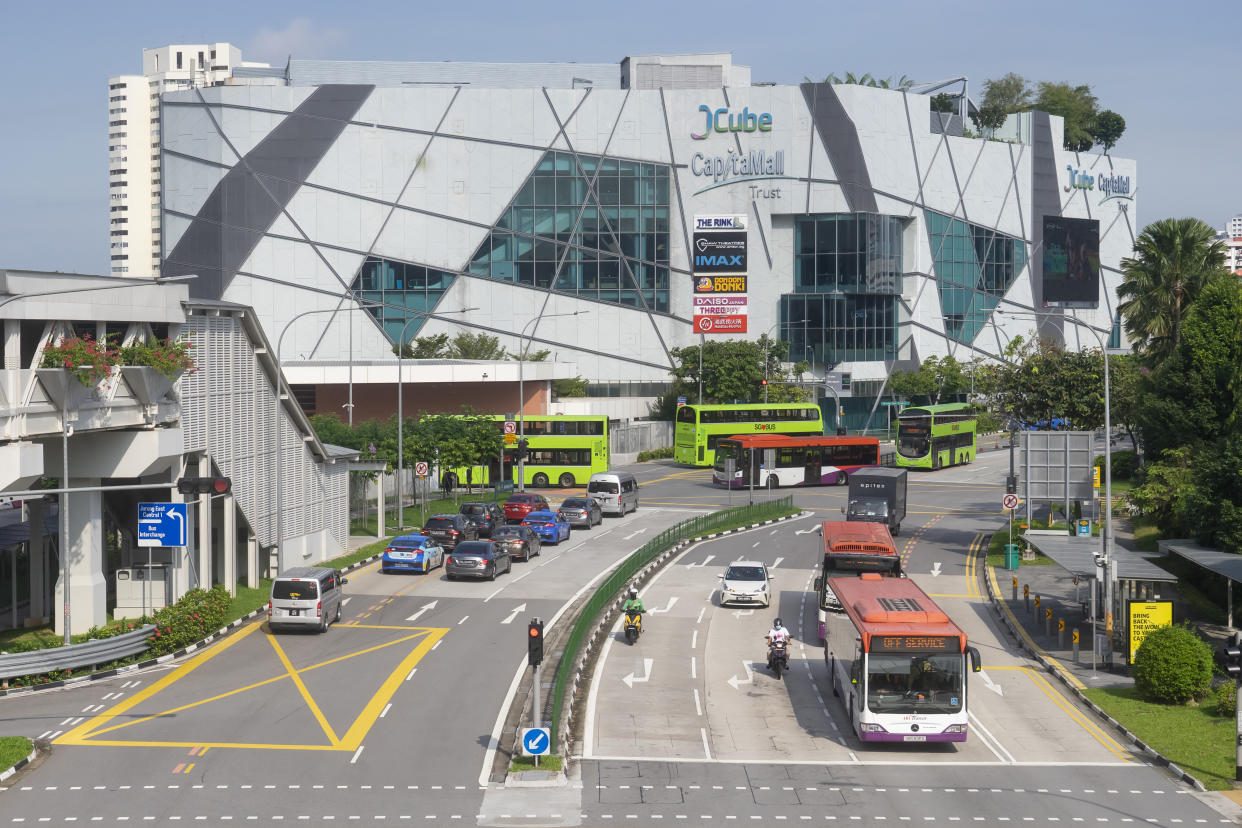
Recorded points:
1011,484
1231,654
204,485
534,643
523,448
764,383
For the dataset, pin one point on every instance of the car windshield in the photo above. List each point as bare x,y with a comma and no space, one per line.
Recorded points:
483,550
440,523
469,509
744,573
507,532
285,590
576,503
603,486
522,499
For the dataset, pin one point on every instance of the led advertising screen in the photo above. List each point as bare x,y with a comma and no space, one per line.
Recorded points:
1071,262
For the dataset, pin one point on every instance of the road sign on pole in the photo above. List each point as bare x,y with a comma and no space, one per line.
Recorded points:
161,524
510,427
420,469
536,740
1010,501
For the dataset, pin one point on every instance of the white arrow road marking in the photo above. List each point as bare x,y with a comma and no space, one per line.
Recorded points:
671,602
426,607
936,568
704,562
991,685
512,615
740,613
750,676
777,563
635,533
806,531
646,676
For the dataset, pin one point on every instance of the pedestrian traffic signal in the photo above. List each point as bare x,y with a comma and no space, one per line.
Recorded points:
534,643
523,448
204,485
1231,654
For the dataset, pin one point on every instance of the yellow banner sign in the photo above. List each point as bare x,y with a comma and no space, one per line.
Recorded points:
1146,616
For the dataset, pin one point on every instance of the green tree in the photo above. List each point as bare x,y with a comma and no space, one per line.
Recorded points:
531,356
1047,381
1001,98
1161,493
1125,397
426,347
1077,105
575,387
944,102
1173,665
733,370
932,382
468,345
1108,129
1174,259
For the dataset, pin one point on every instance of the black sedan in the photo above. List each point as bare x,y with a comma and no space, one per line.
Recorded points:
582,511
477,559
450,530
521,541
487,516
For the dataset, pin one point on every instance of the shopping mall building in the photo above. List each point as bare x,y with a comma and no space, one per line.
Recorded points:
614,212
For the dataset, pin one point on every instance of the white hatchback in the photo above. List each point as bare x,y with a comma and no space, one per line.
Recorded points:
747,583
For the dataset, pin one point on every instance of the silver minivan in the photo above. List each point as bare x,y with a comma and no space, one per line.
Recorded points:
306,597
617,492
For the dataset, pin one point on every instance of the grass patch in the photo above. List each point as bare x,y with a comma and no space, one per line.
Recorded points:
996,551
526,763
249,599
13,749
1196,739
1146,534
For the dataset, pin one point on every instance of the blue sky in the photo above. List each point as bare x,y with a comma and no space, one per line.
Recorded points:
1166,68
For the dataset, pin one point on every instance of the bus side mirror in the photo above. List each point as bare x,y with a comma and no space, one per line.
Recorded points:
819,584
975,663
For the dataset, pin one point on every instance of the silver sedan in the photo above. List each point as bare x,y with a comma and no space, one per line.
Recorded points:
582,511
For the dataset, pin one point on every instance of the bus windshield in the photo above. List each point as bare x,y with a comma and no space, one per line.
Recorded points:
912,436
900,683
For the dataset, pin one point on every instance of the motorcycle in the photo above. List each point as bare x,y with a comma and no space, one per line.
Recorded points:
778,657
633,626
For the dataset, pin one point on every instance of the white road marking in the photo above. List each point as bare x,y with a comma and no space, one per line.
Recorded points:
384,712
703,562
755,545
463,619
357,753
990,740
935,568
437,644
426,607
991,685
750,677
707,750
776,563
671,602
410,674
806,531
701,611
493,595
698,705
774,531
520,577
631,679
345,601
512,615
694,640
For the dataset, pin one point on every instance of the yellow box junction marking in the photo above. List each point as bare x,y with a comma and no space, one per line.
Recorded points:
87,732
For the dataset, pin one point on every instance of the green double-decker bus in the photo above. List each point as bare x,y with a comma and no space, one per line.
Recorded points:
700,427
563,449
936,436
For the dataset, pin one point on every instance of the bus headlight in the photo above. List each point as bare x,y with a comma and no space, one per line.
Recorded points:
957,728
872,727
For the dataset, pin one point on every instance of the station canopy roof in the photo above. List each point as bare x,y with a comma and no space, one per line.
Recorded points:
1228,564
1077,555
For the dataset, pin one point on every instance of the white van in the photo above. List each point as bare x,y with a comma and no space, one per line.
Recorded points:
305,596
617,492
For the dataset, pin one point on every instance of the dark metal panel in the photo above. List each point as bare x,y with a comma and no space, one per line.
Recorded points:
258,188
840,138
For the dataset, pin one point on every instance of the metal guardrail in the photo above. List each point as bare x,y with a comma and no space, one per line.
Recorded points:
95,651
607,591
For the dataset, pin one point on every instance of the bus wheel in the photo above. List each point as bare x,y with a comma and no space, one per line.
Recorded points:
773,482
567,480
843,479
539,481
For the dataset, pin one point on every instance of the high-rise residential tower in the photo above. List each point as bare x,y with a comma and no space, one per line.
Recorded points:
134,145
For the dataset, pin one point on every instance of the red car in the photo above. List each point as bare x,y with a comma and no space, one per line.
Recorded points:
521,504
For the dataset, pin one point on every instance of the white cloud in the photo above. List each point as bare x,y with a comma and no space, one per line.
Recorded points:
301,38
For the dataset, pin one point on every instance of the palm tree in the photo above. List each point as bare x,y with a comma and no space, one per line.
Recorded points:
1174,259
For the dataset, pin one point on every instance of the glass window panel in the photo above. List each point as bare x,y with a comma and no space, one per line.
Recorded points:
826,235
501,247
545,272
607,167
545,251
590,276
629,297
505,271
804,235
608,191
563,162
627,168
547,163
526,195
526,273
565,219
545,191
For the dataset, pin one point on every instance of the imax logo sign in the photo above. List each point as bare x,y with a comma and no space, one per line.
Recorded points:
722,120
707,261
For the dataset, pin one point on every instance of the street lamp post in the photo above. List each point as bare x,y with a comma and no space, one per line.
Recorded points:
400,409
522,344
63,506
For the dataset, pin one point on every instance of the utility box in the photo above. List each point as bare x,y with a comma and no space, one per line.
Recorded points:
1011,556
141,589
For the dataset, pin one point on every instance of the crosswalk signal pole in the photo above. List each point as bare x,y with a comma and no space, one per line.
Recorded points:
1233,666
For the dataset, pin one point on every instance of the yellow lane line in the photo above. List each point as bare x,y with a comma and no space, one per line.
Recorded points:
1017,625
367,718
235,745
271,680
305,694
1041,681
188,768
77,734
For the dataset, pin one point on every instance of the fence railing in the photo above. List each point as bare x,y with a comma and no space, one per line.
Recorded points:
95,651
611,586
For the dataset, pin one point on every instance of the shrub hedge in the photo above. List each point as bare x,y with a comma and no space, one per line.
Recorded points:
655,454
1173,666
1227,699
198,613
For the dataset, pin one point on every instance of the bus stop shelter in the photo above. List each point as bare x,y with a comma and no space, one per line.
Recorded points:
1226,564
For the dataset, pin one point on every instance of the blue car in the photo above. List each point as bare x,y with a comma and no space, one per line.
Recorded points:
417,553
551,527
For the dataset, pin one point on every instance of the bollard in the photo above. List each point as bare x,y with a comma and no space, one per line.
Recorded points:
1048,623
1075,637
1060,633
1026,596
1015,589
1037,607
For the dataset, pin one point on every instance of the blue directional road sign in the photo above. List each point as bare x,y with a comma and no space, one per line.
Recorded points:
536,740
161,524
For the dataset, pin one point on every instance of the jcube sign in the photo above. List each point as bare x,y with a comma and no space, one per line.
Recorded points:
1113,186
724,120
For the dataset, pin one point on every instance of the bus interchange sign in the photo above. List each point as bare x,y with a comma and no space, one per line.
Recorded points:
915,644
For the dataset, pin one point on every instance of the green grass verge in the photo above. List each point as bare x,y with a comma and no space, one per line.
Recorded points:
13,749
1194,738
996,551
526,763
